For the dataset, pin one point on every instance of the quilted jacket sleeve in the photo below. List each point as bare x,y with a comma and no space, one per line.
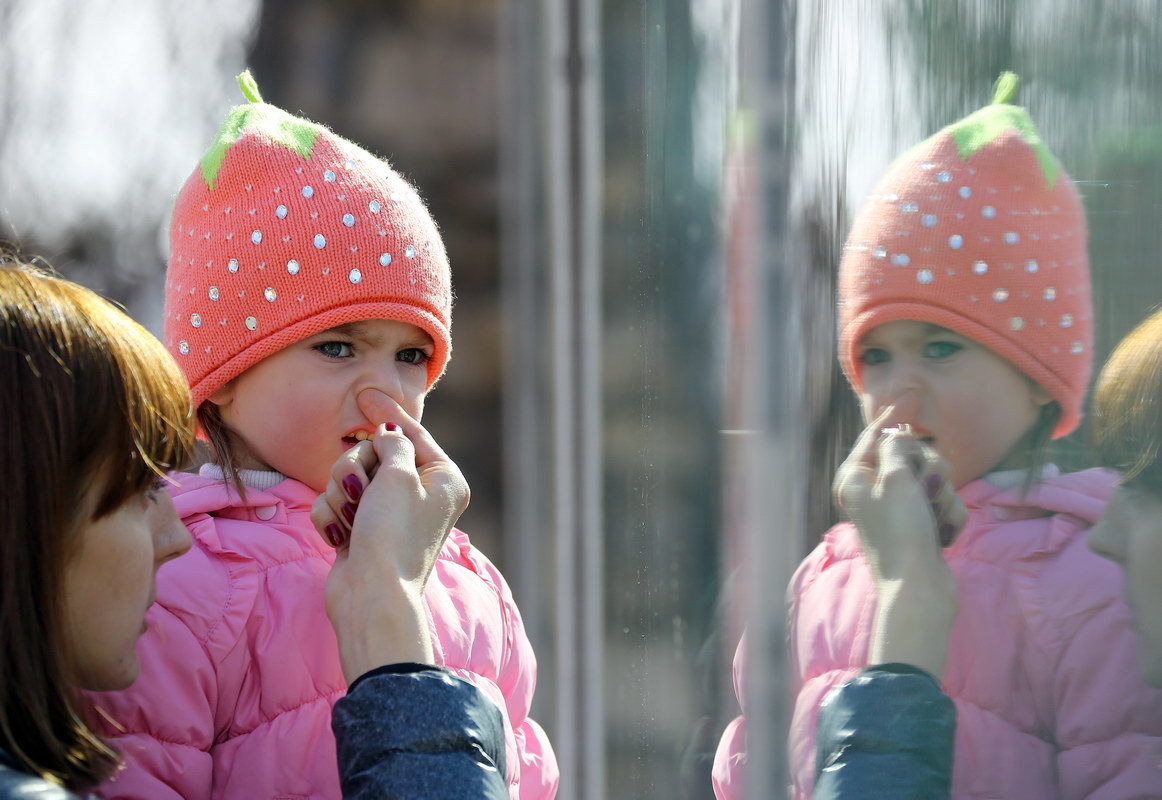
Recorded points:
887,733
516,678
1106,722
163,726
408,730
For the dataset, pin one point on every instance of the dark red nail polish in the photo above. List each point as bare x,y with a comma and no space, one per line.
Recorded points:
933,484
333,534
348,512
391,426
947,534
353,487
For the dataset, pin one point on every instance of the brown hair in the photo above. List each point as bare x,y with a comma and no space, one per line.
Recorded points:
222,445
93,410
1127,407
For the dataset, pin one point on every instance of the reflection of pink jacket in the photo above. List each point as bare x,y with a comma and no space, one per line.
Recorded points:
240,668
1042,661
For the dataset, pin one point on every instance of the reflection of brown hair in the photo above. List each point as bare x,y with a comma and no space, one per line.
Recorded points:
93,411
1127,407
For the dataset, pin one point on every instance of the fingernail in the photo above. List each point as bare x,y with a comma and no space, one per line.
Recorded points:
947,534
933,484
348,512
333,534
353,487
391,426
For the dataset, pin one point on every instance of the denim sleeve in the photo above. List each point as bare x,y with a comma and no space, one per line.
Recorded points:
888,733
413,730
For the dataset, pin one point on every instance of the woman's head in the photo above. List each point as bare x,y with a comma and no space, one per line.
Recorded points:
94,412
977,230
1127,437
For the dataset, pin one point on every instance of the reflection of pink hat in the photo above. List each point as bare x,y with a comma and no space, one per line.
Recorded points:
285,230
978,229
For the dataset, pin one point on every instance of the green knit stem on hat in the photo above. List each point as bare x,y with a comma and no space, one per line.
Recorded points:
981,128
273,123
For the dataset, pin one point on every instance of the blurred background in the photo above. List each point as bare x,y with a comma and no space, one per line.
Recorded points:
644,204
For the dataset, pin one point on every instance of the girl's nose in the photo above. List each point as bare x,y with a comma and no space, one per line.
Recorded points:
170,536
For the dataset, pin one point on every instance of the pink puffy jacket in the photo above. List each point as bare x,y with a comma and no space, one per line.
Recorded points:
1042,659
240,667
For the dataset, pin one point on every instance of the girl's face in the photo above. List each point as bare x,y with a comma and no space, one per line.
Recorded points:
109,585
1130,533
298,410
970,404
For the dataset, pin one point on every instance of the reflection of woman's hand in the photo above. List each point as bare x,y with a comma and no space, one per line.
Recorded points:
390,503
895,489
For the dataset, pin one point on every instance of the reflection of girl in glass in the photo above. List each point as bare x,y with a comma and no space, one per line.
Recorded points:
964,314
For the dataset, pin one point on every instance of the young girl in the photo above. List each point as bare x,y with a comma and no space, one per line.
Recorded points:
964,302
308,301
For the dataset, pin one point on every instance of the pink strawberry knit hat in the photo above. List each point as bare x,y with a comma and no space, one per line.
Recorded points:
285,230
978,229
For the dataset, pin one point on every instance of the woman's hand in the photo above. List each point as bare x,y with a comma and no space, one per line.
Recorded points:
895,489
390,503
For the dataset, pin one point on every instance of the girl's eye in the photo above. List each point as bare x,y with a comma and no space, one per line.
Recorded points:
334,349
873,356
412,355
941,349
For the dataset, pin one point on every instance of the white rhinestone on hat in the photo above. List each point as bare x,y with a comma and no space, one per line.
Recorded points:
410,251
988,212
927,165
256,237
329,176
901,259
384,259
355,276
348,220
232,265
924,276
928,220
1050,293
1011,237
320,241
280,212
184,347
880,252
374,206
965,192
251,323
1031,265
292,267
944,176
1017,323
270,294
909,207
1000,295
1066,320
955,241
196,320
1077,348
213,292
980,267
308,191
